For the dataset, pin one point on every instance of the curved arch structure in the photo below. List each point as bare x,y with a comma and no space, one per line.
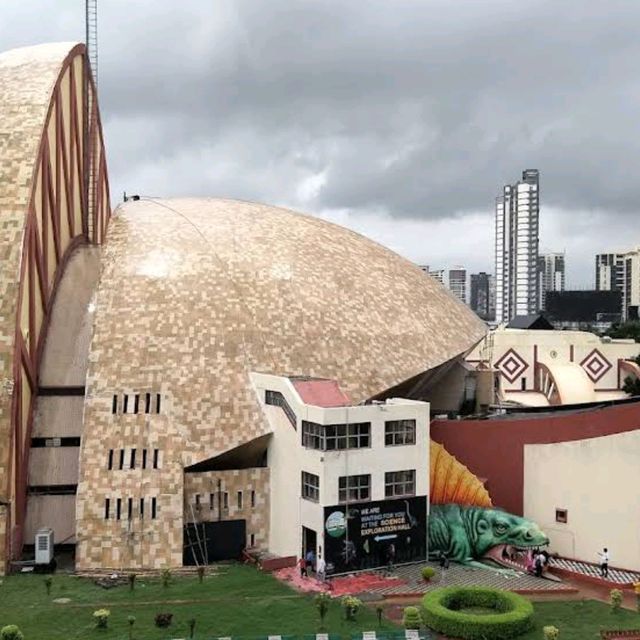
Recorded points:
51,158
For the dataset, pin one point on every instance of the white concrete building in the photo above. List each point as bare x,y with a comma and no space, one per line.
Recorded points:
439,275
458,283
540,368
345,481
551,275
516,248
621,271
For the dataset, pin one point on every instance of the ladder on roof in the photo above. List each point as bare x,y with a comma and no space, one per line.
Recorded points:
91,42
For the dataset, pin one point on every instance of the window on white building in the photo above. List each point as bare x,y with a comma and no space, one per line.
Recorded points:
354,488
336,437
310,487
399,483
399,432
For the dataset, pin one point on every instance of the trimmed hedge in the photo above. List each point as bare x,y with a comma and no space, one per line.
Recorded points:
513,613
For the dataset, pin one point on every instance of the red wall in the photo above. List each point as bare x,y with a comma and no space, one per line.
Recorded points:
494,449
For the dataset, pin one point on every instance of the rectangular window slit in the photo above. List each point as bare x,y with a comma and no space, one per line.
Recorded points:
225,501
114,403
118,508
253,498
147,402
121,459
154,508
125,404
211,501
141,508
239,499
110,463
132,464
156,453
136,403
157,403
107,506
129,508
144,458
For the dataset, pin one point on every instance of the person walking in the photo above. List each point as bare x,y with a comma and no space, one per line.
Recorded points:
310,560
321,569
391,557
604,563
302,565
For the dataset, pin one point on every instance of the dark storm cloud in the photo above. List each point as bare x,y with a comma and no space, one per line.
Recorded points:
413,108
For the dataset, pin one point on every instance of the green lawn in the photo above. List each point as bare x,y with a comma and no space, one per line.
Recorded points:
237,600
580,620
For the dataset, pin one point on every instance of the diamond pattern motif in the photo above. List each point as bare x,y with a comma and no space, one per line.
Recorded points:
595,365
512,365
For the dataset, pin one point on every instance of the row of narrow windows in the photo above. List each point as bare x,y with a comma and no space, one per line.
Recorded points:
118,458
127,509
136,403
213,497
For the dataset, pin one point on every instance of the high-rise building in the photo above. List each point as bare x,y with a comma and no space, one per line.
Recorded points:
610,271
620,271
516,248
458,283
551,270
438,275
482,299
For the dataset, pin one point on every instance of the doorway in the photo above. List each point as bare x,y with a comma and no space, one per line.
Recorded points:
309,541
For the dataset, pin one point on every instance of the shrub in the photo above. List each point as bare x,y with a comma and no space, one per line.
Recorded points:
131,620
11,632
102,618
550,632
442,612
165,576
132,581
428,573
350,606
163,620
201,572
48,581
322,601
615,598
411,618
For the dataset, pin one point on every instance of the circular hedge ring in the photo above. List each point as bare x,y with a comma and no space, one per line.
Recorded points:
509,615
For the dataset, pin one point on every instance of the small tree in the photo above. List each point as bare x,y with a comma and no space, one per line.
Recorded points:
11,632
201,572
550,632
615,598
322,601
350,606
132,581
102,618
379,613
428,573
412,618
131,620
48,581
165,576
192,627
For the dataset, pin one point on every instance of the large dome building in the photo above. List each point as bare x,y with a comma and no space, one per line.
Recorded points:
200,368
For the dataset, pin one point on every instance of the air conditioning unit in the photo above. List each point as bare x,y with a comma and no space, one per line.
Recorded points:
44,546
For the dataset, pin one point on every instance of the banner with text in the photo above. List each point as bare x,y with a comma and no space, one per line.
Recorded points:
369,535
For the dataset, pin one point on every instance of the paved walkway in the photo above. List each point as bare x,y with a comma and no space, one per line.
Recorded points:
411,580
617,576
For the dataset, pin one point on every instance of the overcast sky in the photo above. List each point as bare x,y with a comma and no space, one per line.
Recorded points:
401,119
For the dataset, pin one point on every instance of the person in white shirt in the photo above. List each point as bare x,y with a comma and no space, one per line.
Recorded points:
604,563
321,569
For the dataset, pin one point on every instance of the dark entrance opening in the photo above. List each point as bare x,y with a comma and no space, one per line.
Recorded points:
207,542
309,541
